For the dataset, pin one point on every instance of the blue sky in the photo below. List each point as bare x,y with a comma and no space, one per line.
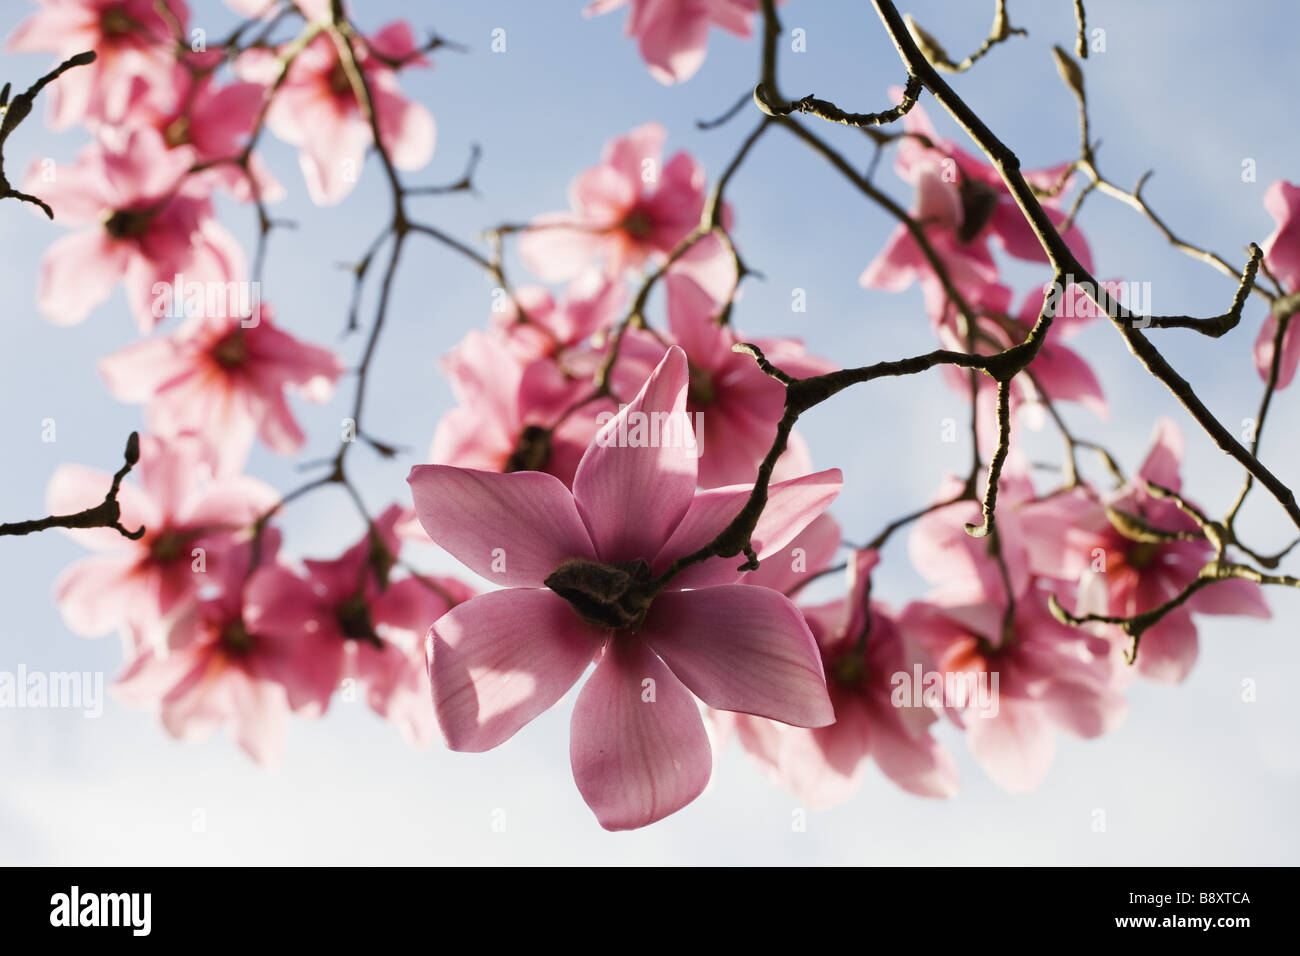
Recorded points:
1194,775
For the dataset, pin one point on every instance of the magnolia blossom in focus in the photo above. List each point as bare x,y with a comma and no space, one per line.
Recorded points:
735,405
584,568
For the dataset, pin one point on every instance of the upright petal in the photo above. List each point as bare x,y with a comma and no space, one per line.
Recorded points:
637,478
1165,457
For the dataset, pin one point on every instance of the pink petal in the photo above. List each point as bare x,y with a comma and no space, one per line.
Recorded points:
811,551
637,743
512,529
1282,248
1016,747
1290,351
628,153
554,253
742,648
674,43
408,129
1169,648
918,764
631,498
502,658
1165,457
96,594
78,272
1234,596
791,506
895,267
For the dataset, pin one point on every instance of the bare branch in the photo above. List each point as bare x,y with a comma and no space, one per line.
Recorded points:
106,514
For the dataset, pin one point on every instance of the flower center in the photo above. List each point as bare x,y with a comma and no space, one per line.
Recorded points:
979,200
849,669
638,224
115,22
128,223
532,451
1142,554
340,82
606,595
353,617
168,546
700,391
177,132
231,351
236,639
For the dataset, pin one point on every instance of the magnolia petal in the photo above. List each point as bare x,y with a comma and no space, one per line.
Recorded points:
502,658
742,648
637,742
512,529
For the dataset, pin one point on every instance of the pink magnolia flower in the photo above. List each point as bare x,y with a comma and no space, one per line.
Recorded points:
345,618
960,203
1058,373
147,224
1013,680
1282,254
673,34
131,38
734,405
546,328
507,411
1098,543
213,670
862,652
213,123
395,676
625,210
190,518
580,567
226,381
1048,677
317,110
